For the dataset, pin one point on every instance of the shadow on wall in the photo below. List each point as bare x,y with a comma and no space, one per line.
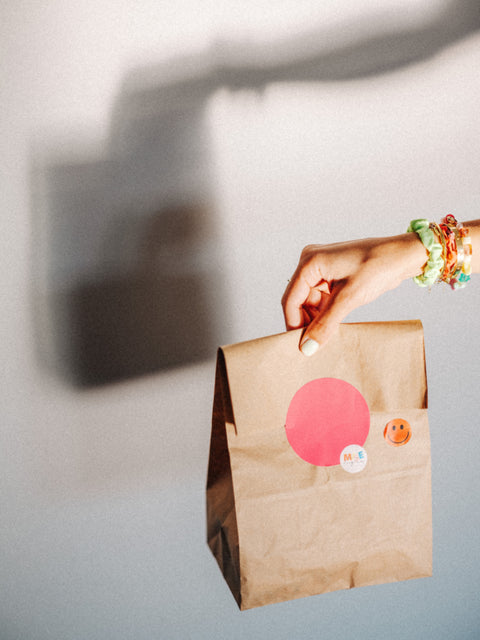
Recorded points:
126,252
127,267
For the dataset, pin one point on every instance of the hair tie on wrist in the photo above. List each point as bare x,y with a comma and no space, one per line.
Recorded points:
432,271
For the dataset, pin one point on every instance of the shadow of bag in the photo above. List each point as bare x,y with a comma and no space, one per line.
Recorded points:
281,526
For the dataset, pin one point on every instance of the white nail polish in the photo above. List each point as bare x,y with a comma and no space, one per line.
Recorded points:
309,347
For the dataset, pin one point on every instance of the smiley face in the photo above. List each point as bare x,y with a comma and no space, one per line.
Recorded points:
397,432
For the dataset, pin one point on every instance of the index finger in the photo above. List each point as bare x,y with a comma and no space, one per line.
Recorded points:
293,299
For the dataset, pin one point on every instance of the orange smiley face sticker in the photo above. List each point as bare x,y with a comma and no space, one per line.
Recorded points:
397,432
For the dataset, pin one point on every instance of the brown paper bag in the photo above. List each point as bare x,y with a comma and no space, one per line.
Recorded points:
282,527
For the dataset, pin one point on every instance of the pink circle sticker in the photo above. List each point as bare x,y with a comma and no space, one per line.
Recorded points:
325,416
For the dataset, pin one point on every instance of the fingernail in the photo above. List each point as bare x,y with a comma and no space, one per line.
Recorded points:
309,347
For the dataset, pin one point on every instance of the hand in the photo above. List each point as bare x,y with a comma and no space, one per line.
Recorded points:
332,280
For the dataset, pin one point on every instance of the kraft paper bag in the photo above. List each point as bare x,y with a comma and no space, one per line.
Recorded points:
319,470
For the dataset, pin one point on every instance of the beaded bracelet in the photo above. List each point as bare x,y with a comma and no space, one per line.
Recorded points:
451,253
434,266
463,266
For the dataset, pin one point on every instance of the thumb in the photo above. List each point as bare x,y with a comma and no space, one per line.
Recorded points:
326,323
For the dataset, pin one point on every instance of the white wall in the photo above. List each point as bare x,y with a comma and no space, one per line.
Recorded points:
270,126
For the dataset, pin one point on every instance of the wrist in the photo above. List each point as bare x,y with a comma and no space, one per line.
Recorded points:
408,253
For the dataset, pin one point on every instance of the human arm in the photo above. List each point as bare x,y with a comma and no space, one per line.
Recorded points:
332,280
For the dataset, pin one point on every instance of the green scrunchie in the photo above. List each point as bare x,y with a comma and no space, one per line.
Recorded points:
435,263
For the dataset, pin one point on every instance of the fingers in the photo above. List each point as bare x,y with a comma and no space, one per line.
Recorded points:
337,305
310,301
316,294
293,299
302,299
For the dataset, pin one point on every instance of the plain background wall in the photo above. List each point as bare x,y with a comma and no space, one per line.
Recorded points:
163,164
